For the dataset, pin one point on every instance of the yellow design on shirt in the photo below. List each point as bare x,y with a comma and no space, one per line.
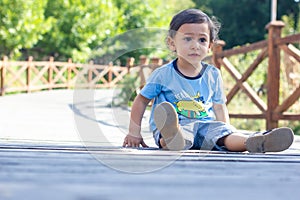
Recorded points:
191,108
192,105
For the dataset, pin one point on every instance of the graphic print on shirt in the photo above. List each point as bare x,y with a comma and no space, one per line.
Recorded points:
193,107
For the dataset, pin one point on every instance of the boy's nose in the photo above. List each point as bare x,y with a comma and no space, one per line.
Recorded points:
195,45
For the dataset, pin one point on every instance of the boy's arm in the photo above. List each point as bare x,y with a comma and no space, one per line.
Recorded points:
134,137
221,113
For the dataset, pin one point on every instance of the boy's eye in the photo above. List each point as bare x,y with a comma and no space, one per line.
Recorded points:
187,39
202,40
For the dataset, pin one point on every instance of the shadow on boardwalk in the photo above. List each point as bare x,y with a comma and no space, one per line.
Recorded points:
47,152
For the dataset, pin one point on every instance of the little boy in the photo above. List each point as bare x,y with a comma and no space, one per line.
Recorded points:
189,109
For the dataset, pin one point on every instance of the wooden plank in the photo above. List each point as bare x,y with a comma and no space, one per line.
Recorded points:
59,76
243,49
288,39
254,97
273,77
39,75
243,85
281,116
289,101
144,154
231,69
119,77
3,65
260,57
100,76
247,116
291,50
16,76
37,162
34,74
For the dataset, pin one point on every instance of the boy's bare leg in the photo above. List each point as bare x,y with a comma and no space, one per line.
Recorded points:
235,142
275,140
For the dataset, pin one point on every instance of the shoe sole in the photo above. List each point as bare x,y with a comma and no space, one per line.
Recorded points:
276,140
166,120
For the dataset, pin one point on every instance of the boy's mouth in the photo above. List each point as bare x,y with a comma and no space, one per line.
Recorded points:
194,55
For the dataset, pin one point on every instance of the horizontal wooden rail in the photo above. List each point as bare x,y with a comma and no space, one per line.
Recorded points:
242,49
247,116
288,39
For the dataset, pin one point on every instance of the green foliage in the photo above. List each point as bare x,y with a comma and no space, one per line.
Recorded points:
244,21
243,61
147,13
132,43
78,27
128,90
141,29
291,26
75,28
22,25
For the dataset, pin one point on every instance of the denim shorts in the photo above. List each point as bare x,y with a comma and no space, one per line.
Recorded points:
201,135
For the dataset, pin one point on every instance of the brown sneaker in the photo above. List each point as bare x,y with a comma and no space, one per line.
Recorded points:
166,120
274,140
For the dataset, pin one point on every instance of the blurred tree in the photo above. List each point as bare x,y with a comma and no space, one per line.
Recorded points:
22,25
141,28
121,28
77,28
244,21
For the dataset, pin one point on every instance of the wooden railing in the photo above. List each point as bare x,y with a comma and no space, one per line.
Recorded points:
272,110
27,76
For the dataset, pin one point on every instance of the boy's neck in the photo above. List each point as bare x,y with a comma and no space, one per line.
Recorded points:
188,69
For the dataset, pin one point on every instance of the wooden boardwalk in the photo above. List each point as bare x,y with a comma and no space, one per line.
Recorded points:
65,145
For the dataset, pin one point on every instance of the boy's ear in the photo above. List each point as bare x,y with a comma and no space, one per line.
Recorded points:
171,44
210,46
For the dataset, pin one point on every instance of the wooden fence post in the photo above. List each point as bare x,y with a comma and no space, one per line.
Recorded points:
2,74
273,77
144,61
90,74
130,63
217,48
70,66
155,62
50,72
110,73
28,73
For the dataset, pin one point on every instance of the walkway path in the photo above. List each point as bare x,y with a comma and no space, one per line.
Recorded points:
63,144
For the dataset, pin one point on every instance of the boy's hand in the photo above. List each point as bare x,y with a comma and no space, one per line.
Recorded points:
133,141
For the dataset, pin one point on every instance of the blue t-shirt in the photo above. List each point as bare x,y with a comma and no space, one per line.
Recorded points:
192,97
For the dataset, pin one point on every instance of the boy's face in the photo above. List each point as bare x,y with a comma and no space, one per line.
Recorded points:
191,43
